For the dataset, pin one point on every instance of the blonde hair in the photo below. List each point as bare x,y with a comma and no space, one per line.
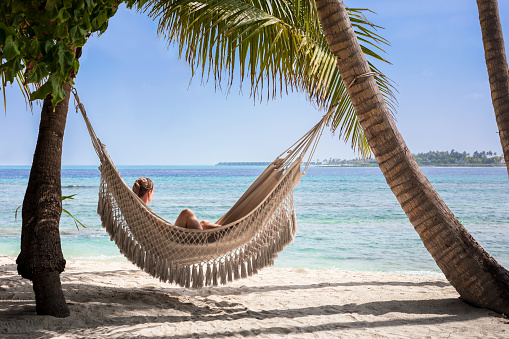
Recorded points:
142,186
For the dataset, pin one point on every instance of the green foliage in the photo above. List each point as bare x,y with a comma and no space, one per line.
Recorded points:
276,44
39,40
65,197
76,221
432,158
454,158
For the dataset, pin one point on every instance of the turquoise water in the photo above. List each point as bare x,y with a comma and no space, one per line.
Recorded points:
347,217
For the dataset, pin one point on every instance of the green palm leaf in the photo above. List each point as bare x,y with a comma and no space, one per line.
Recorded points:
23,86
277,44
64,197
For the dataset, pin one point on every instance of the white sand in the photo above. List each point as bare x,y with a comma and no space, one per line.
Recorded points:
116,300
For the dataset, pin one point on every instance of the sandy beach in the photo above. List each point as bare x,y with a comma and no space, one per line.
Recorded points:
116,300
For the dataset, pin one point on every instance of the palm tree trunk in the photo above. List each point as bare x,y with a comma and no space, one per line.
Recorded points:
41,259
498,71
477,277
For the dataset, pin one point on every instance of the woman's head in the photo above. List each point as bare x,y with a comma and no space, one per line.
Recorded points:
142,186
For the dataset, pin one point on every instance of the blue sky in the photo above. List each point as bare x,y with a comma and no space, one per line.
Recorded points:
143,106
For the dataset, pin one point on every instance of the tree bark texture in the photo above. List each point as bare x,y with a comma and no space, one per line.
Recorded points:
41,259
498,71
477,277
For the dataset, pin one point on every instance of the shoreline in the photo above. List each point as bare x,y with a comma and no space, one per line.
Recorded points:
117,300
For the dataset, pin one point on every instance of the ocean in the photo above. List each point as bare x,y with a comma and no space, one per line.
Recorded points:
347,217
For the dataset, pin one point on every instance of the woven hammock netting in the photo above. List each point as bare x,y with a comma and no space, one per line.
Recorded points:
259,226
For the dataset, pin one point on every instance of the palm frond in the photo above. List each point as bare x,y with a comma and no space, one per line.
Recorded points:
23,86
277,44
64,197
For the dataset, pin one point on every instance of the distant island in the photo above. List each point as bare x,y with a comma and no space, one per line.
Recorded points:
432,158
454,158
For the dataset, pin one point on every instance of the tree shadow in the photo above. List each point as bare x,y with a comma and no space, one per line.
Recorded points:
122,306
236,290
282,331
116,305
226,290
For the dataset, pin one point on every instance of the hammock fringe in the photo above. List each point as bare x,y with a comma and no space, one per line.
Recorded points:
275,229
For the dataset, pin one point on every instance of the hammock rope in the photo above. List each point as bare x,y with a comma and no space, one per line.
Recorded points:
260,224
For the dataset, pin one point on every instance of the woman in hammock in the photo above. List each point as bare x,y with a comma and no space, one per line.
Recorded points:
144,188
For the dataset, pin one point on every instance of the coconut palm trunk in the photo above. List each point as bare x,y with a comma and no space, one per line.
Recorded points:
498,71
41,259
477,277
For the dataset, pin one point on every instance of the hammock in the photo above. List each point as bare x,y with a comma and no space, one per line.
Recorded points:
253,231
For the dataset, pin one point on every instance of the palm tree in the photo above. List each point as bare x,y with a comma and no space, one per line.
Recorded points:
477,277
41,259
498,71
40,44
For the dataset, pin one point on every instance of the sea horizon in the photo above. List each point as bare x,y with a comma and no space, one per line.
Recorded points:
246,165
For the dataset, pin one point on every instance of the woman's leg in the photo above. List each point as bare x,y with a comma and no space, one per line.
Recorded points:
205,224
187,219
